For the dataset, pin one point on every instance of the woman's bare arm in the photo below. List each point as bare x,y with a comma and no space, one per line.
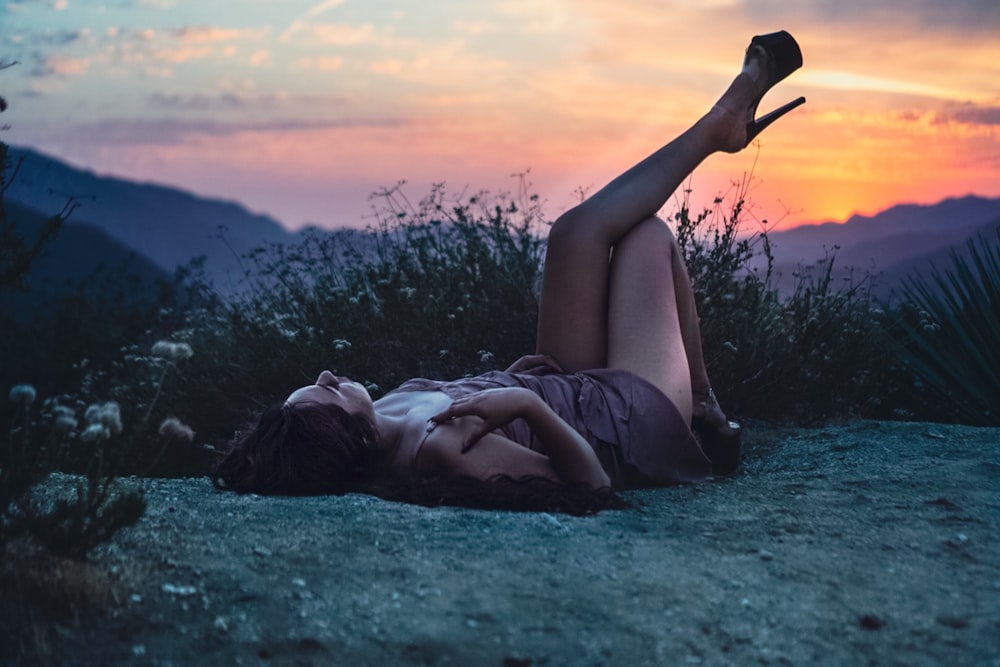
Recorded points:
569,454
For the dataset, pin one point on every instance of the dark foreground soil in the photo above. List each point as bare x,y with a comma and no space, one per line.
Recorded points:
867,543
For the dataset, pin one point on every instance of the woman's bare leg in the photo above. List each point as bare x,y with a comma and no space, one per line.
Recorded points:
689,324
573,310
690,330
645,318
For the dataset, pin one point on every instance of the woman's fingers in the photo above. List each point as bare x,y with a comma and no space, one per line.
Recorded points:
456,409
541,362
495,407
473,438
442,416
534,363
550,361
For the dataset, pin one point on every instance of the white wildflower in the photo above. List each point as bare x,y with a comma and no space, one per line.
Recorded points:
107,415
341,344
66,424
65,419
163,349
485,356
63,411
172,427
95,433
23,394
172,351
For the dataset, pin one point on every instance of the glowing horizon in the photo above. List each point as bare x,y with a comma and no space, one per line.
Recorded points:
302,110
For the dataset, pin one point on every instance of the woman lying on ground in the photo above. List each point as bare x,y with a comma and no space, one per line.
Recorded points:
607,402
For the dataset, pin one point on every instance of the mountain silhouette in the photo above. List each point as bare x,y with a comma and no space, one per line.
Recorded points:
895,243
80,256
168,226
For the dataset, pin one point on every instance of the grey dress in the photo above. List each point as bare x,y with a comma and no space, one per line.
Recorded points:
637,433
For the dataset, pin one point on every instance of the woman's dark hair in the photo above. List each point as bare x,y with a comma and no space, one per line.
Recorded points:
306,449
317,449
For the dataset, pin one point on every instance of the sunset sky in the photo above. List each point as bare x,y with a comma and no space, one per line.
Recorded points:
301,108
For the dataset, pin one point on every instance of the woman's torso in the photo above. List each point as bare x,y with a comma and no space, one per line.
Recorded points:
637,434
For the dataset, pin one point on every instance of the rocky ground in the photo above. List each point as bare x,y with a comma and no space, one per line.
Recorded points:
865,543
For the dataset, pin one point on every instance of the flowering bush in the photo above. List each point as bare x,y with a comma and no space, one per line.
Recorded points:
815,354
444,288
92,441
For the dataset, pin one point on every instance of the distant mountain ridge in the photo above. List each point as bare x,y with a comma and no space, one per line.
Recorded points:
79,252
166,225
954,215
170,227
891,244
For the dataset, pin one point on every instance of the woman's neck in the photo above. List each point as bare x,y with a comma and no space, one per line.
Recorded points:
390,431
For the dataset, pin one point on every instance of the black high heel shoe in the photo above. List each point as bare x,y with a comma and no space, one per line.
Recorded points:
719,441
782,56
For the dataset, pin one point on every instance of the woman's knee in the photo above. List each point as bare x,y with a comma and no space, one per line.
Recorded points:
575,235
575,231
651,235
562,229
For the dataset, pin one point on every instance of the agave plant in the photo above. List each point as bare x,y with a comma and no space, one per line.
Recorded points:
953,346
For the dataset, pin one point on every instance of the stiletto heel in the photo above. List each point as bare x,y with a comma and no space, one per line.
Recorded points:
757,125
782,56
719,441
721,446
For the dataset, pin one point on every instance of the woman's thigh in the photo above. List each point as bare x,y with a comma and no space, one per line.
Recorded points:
644,334
573,307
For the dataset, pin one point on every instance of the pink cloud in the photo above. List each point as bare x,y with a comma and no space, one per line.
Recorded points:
203,34
62,66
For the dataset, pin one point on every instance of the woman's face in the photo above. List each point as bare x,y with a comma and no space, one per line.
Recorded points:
333,390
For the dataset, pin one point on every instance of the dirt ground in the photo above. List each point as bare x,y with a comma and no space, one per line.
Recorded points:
866,543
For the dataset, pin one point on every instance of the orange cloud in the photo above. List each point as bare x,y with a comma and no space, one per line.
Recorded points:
322,64
336,34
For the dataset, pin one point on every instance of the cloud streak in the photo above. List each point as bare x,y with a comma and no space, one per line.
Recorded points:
203,34
851,81
306,18
977,115
59,66
175,132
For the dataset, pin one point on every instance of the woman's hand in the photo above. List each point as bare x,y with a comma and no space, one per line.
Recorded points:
535,364
496,407
570,455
